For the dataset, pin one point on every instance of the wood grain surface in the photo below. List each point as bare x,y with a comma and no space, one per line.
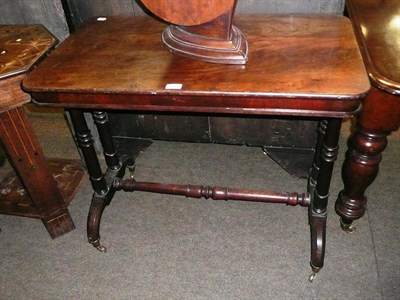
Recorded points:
48,13
378,30
21,46
290,58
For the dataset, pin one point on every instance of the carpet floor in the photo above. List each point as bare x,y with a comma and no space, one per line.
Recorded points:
171,247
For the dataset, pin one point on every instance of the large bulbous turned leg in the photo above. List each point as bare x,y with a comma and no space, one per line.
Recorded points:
379,117
359,171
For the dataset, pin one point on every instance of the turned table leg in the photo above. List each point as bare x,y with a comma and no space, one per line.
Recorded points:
27,157
99,201
379,117
320,179
101,182
110,153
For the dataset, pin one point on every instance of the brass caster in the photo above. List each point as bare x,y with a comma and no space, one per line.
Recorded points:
101,249
314,270
130,164
312,277
349,228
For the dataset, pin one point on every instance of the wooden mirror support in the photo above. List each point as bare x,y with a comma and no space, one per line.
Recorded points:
201,29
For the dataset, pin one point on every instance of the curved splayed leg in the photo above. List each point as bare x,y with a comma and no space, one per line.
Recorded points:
318,234
327,154
93,222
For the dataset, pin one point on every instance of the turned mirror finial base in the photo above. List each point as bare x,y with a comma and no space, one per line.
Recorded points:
232,51
201,29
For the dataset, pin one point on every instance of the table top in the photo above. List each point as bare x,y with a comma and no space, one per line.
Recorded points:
298,65
21,46
377,27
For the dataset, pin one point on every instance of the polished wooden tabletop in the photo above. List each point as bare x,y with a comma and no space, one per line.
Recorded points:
298,65
21,46
377,26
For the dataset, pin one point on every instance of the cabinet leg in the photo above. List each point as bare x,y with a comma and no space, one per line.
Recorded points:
58,223
28,159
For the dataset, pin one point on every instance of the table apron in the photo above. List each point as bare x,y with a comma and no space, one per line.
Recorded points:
274,106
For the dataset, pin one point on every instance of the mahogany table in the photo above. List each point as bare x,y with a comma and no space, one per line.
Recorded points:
377,27
301,66
33,190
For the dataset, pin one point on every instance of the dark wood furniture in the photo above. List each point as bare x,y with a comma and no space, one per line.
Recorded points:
377,27
201,29
34,192
298,66
280,140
